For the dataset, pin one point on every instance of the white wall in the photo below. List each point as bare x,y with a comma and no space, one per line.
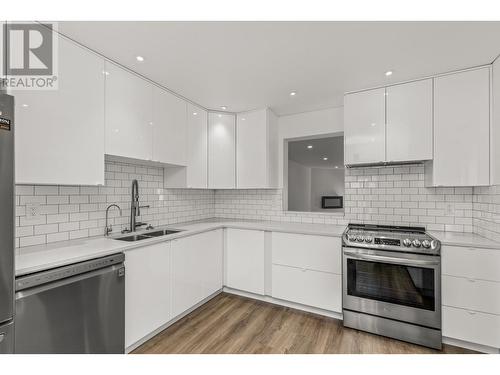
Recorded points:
299,191
308,124
326,182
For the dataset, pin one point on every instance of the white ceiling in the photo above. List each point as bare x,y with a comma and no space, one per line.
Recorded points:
331,148
248,65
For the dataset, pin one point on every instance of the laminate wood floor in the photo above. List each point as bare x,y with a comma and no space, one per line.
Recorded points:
230,324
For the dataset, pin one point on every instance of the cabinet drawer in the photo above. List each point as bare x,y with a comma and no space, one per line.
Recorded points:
320,253
471,262
476,327
312,288
471,294
244,260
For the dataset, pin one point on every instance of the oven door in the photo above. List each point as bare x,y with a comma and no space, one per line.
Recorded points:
404,287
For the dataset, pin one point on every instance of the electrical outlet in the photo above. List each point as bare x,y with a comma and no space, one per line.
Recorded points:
32,211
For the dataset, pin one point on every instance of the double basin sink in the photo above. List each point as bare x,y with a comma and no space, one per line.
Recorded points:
147,235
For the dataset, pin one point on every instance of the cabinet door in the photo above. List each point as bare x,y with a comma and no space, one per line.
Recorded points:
147,290
252,150
308,287
197,170
221,151
409,121
196,269
471,326
461,129
210,247
245,260
495,126
364,127
320,253
60,133
169,128
186,291
129,102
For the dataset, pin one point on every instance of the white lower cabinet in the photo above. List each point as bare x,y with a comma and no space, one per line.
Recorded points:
307,287
471,326
245,260
470,294
147,290
196,269
307,269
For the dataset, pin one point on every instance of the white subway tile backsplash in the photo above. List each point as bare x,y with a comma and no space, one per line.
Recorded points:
379,195
70,212
486,211
383,195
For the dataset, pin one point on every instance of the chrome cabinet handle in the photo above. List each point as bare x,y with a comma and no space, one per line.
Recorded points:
395,260
2,337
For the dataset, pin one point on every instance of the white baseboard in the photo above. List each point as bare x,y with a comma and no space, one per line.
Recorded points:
471,346
169,323
276,301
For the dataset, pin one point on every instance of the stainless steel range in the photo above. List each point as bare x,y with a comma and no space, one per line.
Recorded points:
392,282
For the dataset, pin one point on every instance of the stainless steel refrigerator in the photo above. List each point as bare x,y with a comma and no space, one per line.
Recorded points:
6,224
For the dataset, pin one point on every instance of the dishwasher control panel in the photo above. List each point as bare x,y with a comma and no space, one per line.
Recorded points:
59,273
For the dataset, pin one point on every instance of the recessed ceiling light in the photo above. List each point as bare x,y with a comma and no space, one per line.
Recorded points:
293,93
388,73
195,113
223,107
309,146
336,167
139,58
25,105
325,158
243,119
220,116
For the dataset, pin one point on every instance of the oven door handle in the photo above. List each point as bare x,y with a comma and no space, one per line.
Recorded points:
395,260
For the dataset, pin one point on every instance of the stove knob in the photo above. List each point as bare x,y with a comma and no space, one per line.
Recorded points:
407,242
426,244
368,239
350,237
360,239
416,243
434,244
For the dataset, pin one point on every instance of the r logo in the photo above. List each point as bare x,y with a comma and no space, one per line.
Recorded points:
29,49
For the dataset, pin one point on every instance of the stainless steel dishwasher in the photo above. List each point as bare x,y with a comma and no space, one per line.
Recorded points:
78,308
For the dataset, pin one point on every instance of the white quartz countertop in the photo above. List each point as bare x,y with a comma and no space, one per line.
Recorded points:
41,257
465,239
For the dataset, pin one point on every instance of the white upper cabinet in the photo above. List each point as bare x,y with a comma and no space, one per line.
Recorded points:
409,121
169,128
364,127
221,151
495,126
256,149
461,130
129,101
197,152
60,133
195,175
